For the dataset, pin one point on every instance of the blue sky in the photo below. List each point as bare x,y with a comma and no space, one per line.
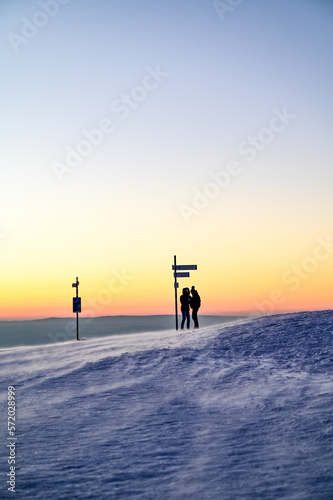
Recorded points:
223,77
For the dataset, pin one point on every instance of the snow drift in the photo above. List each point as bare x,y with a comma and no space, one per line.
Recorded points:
242,411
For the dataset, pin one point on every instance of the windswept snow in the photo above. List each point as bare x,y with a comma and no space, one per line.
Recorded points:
242,411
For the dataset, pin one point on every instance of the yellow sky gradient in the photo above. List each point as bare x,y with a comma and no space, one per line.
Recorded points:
242,281
252,91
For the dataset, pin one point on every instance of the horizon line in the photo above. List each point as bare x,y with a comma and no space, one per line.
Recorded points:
221,314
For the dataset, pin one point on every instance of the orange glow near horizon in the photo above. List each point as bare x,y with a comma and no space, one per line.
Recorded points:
94,305
259,280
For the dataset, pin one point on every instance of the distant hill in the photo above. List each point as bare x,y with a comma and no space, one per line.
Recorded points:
54,330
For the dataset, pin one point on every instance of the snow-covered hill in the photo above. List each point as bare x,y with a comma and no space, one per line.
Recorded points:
243,411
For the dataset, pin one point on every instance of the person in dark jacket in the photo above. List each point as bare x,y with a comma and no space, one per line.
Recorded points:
185,307
195,303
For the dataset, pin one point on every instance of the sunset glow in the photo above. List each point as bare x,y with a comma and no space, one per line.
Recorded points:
134,133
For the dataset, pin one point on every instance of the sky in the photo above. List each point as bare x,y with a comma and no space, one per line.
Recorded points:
136,131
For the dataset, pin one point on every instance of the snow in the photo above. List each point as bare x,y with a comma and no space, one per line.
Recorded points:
237,411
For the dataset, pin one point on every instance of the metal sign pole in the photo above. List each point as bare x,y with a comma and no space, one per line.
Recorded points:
77,314
176,284
77,306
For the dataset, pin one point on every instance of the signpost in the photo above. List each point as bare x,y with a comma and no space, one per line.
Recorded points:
181,275
185,268
175,267
77,306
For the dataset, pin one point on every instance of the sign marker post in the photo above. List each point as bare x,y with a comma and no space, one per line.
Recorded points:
77,306
176,286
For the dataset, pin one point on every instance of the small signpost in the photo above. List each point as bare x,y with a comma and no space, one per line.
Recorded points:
77,306
181,275
176,275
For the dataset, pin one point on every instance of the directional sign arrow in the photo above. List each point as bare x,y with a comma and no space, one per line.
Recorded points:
181,275
192,267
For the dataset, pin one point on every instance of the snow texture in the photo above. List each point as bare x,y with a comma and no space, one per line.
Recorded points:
242,411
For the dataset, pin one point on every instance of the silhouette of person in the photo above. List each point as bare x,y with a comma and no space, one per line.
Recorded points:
185,307
195,303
